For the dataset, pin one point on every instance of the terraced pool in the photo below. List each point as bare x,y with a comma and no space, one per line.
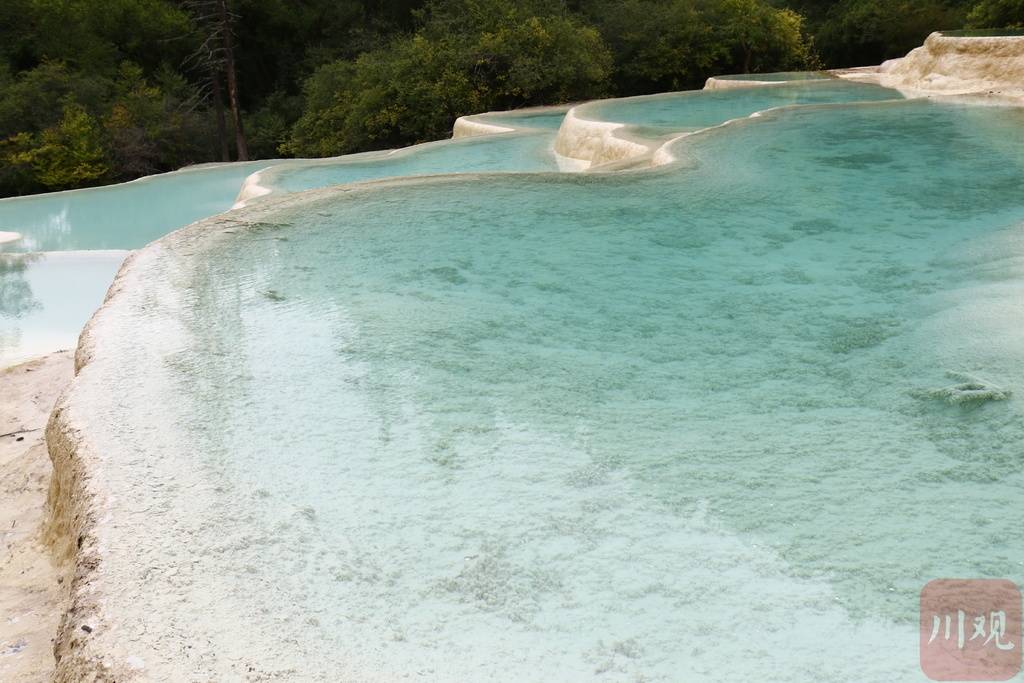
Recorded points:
702,422
122,217
126,216
510,153
693,110
779,77
70,245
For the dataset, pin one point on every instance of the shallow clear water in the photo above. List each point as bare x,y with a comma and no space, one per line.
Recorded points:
780,76
543,120
125,216
45,299
700,109
511,152
663,426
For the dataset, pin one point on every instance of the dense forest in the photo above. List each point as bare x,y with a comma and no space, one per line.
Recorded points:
98,91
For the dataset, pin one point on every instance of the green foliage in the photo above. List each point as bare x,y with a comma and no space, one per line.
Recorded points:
270,125
538,60
150,127
488,55
657,45
761,38
322,128
16,173
405,93
661,45
997,14
66,155
97,36
32,101
863,32
53,119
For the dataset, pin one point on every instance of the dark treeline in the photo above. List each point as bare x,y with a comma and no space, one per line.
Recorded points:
98,91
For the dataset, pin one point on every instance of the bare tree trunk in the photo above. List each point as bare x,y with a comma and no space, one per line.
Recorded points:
229,66
218,107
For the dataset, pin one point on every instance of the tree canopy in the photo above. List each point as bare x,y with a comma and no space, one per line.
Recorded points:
97,92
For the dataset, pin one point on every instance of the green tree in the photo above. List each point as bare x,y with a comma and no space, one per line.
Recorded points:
661,45
33,100
863,32
69,154
97,36
657,45
997,14
270,125
468,56
153,124
761,38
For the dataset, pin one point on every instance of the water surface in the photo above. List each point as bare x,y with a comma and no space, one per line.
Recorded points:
778,77
507,152
545,120
678,425
45,299
125,216
693,110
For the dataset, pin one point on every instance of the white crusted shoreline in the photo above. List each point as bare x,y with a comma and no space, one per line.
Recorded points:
32,584
106,633
92,641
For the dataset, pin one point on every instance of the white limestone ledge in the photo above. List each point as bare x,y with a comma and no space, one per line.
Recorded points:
950,64
470,126
492,123
597,142
608,145
251,189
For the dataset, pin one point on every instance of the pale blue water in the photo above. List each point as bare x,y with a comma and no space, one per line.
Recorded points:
55,276
676,425
510,152
64,292
45,299
780,76
699,109
125,216
541,120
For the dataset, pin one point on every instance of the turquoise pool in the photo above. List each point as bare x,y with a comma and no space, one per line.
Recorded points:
541,120
55,276
693,110
130,215
510,153
125,216
45,299
698,423
778,77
